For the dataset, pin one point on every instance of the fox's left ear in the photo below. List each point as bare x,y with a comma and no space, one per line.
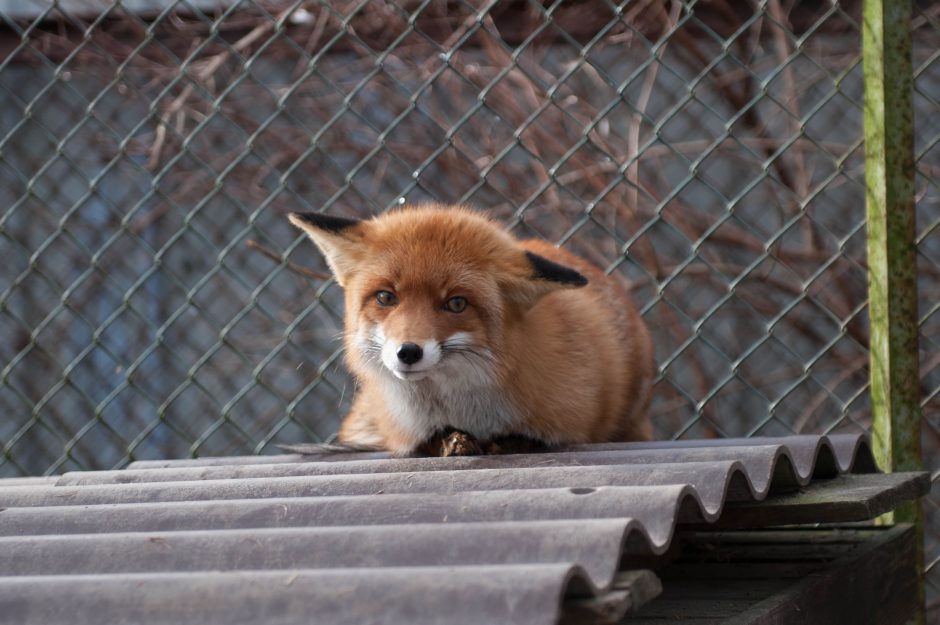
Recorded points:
540,277
341,240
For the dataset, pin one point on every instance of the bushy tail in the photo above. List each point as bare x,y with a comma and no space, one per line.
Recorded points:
317,449
330,447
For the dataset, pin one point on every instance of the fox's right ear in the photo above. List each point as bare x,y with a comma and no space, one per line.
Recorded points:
340,240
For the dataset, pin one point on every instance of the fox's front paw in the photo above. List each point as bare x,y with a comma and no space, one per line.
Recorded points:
450,442
459,443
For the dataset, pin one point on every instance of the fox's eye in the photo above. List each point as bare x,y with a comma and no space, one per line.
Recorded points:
386,298
456,304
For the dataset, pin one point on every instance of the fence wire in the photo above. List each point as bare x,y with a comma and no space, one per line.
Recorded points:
926,34
155,303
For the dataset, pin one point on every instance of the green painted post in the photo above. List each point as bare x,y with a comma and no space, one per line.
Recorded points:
892,279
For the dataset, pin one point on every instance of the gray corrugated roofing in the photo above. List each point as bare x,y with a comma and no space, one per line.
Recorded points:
291,539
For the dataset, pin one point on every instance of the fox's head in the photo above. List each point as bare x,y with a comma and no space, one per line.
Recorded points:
430,290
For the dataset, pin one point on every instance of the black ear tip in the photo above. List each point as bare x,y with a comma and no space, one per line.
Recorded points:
549,270
579,280
323,222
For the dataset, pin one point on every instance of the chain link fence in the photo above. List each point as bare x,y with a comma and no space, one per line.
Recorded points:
926,36
155,303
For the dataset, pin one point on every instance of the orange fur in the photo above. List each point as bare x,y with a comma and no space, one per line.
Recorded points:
531,354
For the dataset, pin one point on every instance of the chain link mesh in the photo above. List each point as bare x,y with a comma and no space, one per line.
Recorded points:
926,34
155,303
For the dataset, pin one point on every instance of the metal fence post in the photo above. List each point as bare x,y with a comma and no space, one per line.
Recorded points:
892,286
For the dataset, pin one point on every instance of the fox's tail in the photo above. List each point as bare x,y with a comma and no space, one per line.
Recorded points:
329,448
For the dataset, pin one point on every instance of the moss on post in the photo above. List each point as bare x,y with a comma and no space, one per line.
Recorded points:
889,173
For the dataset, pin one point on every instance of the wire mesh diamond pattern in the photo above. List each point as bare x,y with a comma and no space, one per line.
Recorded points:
926,33
155,303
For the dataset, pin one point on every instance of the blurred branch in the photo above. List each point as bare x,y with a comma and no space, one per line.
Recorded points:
307,273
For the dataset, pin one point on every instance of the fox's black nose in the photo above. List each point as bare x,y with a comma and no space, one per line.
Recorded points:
409,353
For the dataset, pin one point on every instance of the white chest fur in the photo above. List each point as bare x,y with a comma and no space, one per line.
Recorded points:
424,407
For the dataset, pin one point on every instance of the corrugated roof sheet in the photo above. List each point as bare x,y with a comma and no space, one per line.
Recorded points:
367,538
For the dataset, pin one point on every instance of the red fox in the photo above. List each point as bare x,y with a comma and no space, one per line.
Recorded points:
465,340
